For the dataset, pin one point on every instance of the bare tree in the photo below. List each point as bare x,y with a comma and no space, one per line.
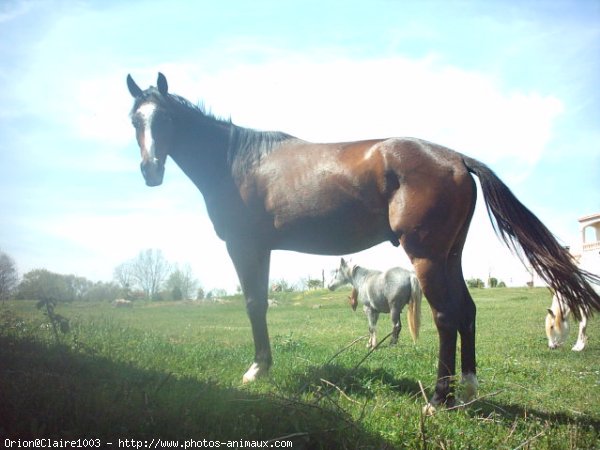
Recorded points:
182,282
149,270
8,276
123,275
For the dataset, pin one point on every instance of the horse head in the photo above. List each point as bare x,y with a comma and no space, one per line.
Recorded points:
153,125
340,276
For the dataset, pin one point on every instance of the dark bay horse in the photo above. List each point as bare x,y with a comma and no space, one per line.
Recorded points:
270,190
382,292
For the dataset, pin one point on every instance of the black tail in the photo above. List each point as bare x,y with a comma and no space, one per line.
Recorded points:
526,236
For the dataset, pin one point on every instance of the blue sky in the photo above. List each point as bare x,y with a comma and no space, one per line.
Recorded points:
514,84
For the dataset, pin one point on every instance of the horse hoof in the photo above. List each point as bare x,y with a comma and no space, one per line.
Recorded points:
253,373
429,410
469,387
578,347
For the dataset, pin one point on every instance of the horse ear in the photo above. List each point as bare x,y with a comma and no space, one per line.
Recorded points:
162,85
551,313
134,89
342,262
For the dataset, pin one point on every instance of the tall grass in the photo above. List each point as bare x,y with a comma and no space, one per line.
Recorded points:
173,370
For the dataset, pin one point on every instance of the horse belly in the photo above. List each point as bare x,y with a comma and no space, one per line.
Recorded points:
332,235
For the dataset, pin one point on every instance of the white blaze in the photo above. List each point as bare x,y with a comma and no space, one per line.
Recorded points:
146,112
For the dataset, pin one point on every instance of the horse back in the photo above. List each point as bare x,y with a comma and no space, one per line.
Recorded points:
388,289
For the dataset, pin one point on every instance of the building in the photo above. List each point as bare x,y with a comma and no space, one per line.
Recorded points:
588,256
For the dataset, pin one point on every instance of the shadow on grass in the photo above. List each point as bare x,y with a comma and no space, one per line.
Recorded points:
54,391
359,382
512,412
364,382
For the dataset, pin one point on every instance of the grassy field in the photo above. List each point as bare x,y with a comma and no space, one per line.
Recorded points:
173,371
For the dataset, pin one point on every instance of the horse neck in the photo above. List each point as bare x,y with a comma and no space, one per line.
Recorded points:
358,275
200,150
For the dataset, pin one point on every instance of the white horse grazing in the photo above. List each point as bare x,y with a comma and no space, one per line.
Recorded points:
557,324
382,292
122,303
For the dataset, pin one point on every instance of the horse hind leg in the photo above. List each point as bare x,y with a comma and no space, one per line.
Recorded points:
434,282
469,384
454,313
467,314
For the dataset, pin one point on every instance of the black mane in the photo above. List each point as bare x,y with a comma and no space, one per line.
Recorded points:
247,146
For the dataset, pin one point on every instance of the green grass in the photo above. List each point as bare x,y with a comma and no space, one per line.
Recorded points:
173,370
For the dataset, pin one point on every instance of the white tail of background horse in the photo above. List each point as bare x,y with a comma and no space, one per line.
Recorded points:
414,307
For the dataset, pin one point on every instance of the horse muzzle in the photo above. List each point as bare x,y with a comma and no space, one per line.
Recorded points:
153,172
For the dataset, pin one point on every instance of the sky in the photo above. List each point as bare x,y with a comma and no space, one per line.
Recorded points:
511,83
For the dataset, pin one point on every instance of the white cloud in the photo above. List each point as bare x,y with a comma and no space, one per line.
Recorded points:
102,107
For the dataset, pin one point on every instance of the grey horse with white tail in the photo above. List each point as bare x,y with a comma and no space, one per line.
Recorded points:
383,292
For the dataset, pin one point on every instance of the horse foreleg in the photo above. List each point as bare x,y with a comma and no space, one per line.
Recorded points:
396,324
581,337
252,267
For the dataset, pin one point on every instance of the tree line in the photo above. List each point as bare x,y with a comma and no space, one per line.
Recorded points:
153,276
147,276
